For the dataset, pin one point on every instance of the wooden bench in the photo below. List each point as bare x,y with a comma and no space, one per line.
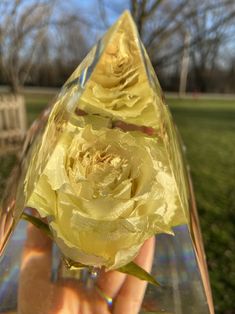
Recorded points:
12,123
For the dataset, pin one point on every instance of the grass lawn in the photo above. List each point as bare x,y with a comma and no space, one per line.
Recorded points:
208,130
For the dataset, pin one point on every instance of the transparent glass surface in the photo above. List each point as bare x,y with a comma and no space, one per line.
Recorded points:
114,91
175,266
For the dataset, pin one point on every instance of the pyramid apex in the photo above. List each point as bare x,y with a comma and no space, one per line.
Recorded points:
126,15
126,19
120,86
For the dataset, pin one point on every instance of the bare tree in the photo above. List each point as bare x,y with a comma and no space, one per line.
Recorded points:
62,48
48,46
210,29
184,65
161,23
22,27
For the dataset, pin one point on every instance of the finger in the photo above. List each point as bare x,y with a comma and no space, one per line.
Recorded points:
34,282
66,300
130,297
99,306
86,307
37,252
73,298
110,282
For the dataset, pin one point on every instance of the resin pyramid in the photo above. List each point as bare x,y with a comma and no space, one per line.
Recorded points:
115,87
115,81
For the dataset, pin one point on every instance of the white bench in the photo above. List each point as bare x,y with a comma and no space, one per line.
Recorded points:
12,123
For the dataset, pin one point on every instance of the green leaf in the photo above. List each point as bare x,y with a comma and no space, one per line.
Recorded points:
134,270
38,223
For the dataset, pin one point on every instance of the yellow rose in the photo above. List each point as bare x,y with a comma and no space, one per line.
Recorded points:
105,192
120,86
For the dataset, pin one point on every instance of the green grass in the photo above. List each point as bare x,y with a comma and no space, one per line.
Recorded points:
208,130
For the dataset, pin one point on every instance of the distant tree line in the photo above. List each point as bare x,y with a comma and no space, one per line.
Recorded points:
190,42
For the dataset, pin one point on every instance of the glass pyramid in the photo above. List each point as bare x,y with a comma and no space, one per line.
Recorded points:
114,87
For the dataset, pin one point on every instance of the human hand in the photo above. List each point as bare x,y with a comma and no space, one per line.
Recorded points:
38,295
